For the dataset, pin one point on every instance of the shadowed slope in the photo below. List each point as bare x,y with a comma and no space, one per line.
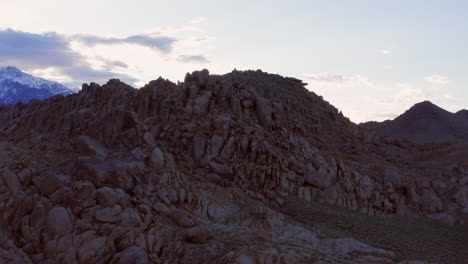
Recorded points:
424,123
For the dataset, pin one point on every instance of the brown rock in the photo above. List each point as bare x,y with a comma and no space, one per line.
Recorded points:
242,259
263,111
59,221
181,218
318,178
133,255
107,196
198,234
391,175
201,104
234,149
25,175
91,251
430,202
156,159
199,144
50,184
220,169
11,180
108,215
89,146
148,138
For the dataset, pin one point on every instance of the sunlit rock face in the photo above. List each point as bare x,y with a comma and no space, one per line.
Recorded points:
246,167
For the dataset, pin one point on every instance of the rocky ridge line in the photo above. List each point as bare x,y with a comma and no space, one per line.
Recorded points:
153,173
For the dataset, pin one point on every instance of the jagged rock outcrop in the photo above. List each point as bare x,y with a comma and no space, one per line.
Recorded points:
199,171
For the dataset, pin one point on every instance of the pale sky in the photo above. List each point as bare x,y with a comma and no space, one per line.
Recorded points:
371,59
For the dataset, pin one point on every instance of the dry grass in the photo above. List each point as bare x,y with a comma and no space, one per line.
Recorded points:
409,238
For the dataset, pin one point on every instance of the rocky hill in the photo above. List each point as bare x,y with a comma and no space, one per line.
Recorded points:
424,123
17,86
246,167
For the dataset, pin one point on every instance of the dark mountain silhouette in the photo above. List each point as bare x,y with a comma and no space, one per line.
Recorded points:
462,114
423,123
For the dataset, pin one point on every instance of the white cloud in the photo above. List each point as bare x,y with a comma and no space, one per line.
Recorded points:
75,58
153,41
385,51
51,73
329,79
325,77
438,79
362,99
450,97
408,94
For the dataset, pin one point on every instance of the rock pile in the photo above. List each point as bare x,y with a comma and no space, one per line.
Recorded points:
197,172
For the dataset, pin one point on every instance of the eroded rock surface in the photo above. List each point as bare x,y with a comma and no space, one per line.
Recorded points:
201,171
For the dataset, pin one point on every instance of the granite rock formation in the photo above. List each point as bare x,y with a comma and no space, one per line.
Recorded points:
211,170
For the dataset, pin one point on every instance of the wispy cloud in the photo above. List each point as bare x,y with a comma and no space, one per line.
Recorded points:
192,58
409,94
77,58
51,52
363,99
324,77
438,79
338,80
450,97
153,41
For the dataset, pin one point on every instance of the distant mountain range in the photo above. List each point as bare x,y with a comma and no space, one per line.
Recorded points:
16,86
424,122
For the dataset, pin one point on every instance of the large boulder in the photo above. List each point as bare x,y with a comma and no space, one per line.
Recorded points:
107,196
242,259
198,234
88,146
201,77
133,255
263,109
201,104
108,172
156,159
11,180
199,145
50,184
92,250
59,221
221,169
392,176
181,218
430,202
319,178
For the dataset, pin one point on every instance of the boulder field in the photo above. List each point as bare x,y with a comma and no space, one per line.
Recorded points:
219,169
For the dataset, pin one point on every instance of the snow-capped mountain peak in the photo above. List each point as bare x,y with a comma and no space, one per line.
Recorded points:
16,85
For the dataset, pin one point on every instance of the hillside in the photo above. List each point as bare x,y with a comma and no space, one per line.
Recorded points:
424,123
214,170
